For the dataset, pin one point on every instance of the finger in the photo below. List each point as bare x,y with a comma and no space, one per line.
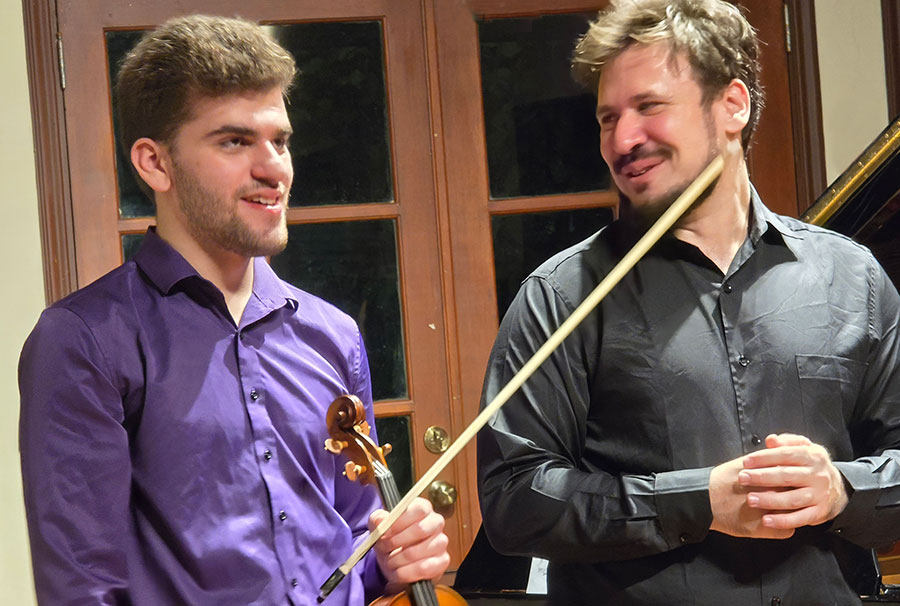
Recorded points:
417,511
786,439
785,500
807,516
425,569
421,530
781,455
412,556
783,476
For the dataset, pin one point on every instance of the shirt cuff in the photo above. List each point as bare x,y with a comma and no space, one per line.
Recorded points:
682,502
862,497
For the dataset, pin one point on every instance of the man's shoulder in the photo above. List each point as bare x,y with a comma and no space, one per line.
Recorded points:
108,294
593,251
823,242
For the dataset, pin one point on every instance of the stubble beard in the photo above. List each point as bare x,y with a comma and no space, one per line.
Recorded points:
649,211
211,219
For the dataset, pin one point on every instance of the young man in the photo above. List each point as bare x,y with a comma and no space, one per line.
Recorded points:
741,383
172,428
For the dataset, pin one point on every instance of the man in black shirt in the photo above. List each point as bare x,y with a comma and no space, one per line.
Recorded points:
724,429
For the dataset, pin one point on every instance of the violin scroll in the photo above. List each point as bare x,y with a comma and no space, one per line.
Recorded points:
349,431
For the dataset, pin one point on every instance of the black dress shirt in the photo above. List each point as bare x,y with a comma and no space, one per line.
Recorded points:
601,462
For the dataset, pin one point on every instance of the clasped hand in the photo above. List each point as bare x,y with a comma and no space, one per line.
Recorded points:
414,548
769,493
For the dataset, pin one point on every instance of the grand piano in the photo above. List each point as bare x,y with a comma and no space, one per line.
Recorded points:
864,204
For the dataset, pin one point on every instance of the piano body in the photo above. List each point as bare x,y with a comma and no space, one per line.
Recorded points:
864,204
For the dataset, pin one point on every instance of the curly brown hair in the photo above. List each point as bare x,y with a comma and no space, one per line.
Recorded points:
715,37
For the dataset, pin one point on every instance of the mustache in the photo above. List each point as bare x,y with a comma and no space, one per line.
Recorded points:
639,153
257,184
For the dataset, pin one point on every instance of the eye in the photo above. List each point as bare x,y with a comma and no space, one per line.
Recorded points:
281,143
233,142
606,120
650,107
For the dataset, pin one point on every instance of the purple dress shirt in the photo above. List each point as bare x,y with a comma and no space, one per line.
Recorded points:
171,457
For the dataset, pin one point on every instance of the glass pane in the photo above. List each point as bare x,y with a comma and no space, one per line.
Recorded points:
396,432
542,137
132,201
524,241
338,109
131,243
354,266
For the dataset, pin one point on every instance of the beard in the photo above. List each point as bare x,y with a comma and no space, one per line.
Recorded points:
212,219
646,213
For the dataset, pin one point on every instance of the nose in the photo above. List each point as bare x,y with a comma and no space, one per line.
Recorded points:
628,133
272,165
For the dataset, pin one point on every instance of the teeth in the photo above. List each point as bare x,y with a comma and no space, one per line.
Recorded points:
263,201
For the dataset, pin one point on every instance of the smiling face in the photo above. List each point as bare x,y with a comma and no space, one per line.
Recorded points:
232,173
656,134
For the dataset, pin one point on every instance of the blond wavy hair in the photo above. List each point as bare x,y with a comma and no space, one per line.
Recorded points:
715,37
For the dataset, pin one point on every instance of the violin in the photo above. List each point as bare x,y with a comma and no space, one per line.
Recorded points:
349,431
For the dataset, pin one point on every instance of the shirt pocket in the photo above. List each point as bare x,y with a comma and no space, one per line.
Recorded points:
829,387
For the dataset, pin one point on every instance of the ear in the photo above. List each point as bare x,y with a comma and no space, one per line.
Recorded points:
152,161
734,105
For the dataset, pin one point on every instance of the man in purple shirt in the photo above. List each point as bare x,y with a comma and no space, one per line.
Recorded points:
172,422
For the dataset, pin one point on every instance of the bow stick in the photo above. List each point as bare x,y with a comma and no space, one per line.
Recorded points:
662,225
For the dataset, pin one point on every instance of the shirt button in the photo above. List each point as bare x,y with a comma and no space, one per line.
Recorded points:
294,582
254,395
684,538
242,336
744,361
728,288
776,601
268,454
756,440
282,515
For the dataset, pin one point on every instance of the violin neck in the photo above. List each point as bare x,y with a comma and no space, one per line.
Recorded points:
422,592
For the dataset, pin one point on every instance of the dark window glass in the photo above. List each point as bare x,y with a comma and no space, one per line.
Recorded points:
542,137
131,243
354,266
132,201
338,110
396,432
524,241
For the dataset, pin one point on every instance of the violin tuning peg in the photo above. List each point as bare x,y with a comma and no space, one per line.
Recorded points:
352,470
334,446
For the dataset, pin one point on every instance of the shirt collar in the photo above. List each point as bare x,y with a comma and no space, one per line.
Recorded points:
761,219
161,263
166,269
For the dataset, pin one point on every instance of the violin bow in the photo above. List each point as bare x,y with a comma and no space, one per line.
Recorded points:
656,231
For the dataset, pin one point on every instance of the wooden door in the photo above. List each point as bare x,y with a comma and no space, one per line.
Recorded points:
364,190
477,188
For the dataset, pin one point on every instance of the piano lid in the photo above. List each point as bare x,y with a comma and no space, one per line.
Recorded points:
864,201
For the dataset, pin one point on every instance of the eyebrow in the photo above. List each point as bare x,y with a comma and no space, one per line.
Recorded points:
634,99
244,131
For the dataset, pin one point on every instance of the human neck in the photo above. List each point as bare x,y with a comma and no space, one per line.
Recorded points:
718,224
231,273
